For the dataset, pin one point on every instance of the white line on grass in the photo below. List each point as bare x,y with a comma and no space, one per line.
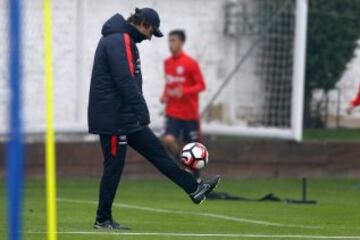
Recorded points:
209,215
223,235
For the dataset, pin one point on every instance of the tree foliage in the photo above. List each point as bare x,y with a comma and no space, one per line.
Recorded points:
333,32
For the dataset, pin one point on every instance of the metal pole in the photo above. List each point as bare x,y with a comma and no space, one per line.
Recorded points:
14,150
297,110
338,104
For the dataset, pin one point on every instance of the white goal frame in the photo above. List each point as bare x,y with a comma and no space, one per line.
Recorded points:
297,101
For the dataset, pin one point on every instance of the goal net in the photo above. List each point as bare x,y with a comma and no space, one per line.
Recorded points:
262,95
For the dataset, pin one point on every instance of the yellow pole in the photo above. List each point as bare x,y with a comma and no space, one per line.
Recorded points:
50,140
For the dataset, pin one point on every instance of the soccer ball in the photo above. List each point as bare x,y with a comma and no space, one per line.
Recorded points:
194,156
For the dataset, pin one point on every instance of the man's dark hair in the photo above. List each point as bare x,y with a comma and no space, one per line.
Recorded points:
137,21
178,33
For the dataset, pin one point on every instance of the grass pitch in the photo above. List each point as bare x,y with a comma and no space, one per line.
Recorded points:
157,209
341,134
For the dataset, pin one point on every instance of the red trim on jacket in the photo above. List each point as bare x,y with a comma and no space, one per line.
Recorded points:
129,53
113,145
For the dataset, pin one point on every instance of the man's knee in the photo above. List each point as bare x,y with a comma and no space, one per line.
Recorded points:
169,139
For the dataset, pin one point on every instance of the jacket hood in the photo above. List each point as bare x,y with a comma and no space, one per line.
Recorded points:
117,24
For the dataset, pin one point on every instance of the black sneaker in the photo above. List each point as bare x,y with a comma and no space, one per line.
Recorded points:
109,224
203,189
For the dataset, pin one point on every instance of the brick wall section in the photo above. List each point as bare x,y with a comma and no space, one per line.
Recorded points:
231,158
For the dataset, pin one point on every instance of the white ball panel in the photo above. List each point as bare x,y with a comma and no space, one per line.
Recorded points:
188,146
186,157
197,152
199,164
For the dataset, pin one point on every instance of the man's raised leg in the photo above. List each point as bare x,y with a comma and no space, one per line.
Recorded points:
147,144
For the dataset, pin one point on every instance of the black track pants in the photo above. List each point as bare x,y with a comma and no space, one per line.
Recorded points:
148,145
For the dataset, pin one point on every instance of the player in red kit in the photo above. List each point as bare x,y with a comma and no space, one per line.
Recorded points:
184,82
354,103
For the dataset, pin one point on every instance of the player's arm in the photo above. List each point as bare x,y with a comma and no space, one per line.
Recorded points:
163,97
120,68
354,103
199,83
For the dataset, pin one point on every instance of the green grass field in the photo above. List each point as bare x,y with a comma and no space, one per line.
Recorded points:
156,209
341,134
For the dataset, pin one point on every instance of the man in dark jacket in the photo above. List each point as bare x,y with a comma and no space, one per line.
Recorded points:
119,114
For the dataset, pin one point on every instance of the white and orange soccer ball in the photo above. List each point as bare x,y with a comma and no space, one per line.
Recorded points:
195,156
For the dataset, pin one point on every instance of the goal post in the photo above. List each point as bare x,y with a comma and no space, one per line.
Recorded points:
299,69
269,73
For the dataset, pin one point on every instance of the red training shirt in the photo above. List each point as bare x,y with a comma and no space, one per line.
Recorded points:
356,101
182,71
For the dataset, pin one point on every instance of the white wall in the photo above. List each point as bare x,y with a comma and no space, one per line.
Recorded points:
76,31
348,85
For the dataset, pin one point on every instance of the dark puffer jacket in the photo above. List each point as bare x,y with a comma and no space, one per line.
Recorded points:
116,102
